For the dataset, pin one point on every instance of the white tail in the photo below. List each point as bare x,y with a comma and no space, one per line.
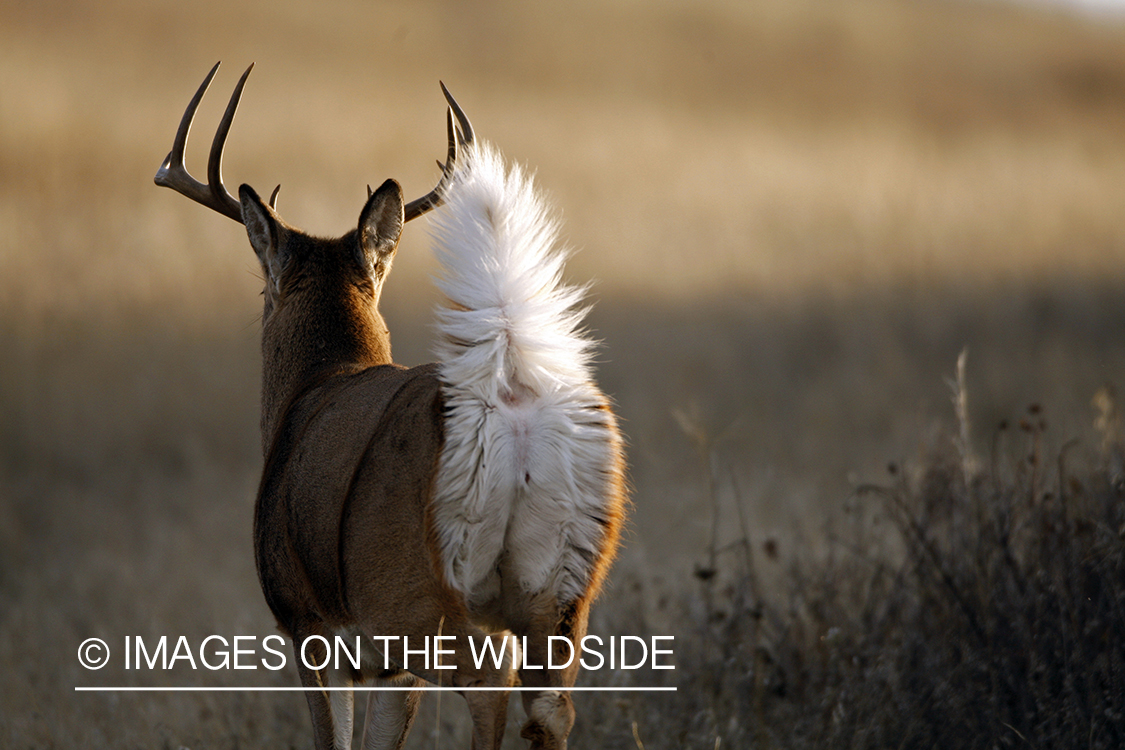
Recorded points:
478,496
530,445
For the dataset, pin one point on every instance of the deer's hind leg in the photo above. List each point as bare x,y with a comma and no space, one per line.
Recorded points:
550,711
488,708
390,713
332,711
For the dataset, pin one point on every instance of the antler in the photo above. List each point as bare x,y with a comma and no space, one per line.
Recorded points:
173,172
458,136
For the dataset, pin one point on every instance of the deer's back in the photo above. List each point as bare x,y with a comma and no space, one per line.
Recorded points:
345,491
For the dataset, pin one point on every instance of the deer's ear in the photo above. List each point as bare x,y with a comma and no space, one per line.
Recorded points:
264,230
380,224
261,225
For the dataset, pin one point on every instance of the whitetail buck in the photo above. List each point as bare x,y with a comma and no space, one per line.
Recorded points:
479,495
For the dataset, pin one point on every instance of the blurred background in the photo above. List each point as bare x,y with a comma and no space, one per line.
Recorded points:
795,215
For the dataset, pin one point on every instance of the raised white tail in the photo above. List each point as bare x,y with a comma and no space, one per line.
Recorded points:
531,448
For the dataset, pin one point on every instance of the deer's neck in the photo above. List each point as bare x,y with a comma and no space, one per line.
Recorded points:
302,343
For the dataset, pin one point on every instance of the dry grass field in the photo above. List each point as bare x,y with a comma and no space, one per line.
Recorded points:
796,214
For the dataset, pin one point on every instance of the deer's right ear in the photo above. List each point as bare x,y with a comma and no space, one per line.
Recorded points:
380,226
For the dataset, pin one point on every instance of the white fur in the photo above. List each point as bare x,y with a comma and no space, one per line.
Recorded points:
343,710
528,444
389,714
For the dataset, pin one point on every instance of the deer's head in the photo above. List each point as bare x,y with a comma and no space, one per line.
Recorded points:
321,295
291,259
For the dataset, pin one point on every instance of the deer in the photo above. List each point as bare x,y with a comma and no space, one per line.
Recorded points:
479,495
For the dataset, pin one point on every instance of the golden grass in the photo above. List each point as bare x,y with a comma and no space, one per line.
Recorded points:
775,145
797,213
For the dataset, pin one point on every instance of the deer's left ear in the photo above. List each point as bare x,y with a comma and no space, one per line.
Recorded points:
261,225
380,225
266,234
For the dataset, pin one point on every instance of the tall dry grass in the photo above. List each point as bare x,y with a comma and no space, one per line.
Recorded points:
964,601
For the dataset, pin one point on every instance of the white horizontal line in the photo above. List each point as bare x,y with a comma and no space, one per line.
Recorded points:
357,688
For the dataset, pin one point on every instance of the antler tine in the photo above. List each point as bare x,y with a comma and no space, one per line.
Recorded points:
465,135
459,132
173,172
